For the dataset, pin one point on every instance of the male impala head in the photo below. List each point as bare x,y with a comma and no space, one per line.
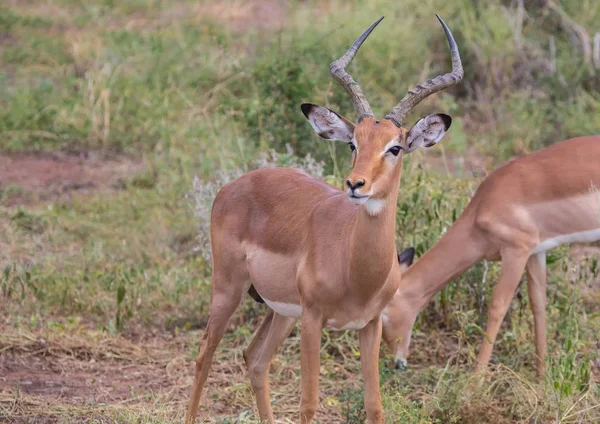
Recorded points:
378,145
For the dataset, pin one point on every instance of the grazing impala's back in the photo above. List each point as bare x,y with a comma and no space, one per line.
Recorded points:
313,252
552,187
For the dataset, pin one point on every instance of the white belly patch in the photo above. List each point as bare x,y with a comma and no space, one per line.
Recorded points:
286,309
293,310
352,325
580,237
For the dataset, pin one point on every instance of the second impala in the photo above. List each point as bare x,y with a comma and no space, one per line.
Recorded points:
520,211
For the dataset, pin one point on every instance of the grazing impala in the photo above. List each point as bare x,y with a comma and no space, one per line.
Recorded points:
520,211
314,252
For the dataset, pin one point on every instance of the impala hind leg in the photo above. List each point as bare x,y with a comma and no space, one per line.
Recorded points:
511,270
272,332
222,306
536,288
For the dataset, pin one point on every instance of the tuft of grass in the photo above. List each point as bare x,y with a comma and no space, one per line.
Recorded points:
29,222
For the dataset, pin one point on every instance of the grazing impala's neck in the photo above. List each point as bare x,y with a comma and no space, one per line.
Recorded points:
458,249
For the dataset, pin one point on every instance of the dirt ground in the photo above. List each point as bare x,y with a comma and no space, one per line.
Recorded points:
47,376
52,377
39,377
42,177
44,377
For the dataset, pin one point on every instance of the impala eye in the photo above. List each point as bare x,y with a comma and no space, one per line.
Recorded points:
353,147
395,150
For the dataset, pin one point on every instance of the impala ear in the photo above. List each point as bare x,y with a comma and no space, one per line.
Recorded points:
427,132
328,124
405,259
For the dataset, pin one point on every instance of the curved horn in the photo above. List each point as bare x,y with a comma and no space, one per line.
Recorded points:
338,72
421,91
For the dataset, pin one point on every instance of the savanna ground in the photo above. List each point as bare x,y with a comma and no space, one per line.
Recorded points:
120,120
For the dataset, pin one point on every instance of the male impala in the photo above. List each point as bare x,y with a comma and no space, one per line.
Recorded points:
314,252
521,210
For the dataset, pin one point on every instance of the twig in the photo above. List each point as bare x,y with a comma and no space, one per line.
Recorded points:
517,24
443,374
596,55
552,54
531,388
569,24
566,414
481,294
582,411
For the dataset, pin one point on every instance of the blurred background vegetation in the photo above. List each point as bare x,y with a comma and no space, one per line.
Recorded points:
159,103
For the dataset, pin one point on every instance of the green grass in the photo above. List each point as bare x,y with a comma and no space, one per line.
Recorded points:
207,90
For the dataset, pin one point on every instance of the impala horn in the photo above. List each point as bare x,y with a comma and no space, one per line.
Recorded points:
421,91
338,72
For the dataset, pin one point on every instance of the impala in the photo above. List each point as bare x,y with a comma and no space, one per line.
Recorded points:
520,211
313,252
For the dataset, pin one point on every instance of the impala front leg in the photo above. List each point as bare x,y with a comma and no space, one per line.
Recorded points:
369,339
310,349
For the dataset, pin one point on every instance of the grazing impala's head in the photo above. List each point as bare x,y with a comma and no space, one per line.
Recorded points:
398,320
378,145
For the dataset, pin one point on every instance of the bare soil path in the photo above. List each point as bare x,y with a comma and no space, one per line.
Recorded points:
40,177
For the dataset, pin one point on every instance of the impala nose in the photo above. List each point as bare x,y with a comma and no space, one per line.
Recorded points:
400,364
353,186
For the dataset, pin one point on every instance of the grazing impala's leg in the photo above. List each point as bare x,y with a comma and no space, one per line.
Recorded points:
310,349
511,270
272,332
536,287
369,339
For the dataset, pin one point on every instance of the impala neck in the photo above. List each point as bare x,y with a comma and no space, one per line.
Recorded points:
458,249
373,237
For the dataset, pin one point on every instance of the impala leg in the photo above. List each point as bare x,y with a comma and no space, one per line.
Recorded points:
272,332
310,349
369,339
536,287
511,270
222,307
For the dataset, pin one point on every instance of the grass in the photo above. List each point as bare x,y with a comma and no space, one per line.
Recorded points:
104,292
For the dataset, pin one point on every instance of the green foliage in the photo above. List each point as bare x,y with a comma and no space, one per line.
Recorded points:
428,204
281,85
352,406
123,88
11,20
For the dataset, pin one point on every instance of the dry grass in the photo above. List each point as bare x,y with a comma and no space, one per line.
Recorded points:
78,374
63,374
